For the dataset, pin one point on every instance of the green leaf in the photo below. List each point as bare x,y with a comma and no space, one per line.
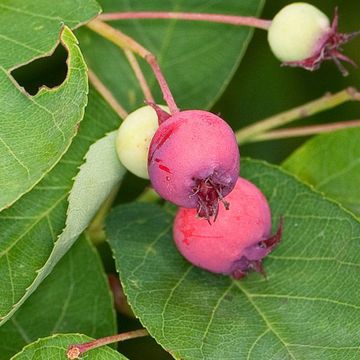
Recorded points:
37,130
55,347
29,244
197,58
308,307
62,303
331,163
34,133
30,29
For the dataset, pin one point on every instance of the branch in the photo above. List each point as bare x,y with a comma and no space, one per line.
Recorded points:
126,42
74,351
305,130
218,18
326,102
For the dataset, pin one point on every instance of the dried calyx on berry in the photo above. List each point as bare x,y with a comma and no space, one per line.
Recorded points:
194,160
300,35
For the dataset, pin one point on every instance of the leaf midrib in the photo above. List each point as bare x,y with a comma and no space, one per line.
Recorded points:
263,317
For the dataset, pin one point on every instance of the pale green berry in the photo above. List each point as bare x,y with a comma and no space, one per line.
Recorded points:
297,31
134,137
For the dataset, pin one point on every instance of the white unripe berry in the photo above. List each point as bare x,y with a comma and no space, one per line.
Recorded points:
297,31
134,137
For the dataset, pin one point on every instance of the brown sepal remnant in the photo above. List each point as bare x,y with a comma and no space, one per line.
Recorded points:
244,265
209,193
329,49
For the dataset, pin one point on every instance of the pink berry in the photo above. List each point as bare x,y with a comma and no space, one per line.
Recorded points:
194,161
237,242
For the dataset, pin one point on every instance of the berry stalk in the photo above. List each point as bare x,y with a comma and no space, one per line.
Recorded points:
139,75
305,130
217,18
106,94
74,351
125,42
326,102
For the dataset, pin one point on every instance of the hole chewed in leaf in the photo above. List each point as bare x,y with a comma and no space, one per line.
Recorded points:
49,71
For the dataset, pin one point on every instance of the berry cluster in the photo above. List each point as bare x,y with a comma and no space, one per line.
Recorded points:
192,157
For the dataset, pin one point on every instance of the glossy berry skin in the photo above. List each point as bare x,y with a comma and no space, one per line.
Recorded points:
303,36
194,161
239,239
134,137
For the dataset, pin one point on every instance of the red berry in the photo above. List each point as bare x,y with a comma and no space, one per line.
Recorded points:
194,161
237,242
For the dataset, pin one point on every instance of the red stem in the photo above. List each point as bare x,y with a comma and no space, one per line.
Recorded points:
218,18
139,75
126,42
74,351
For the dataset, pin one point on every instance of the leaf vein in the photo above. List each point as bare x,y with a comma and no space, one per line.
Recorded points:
41,217
11,278
221,298
265,319
149,249
7,38
15,156
296,258
68,296
305,298
21,330
255,342
181,279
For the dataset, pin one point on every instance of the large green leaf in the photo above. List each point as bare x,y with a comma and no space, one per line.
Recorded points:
36,130
29,229
55,348
308,307
62,303
331,163
30,29
197,58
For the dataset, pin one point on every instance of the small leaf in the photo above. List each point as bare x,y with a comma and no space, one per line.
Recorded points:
97,177
331,163
198,58
30,228
62,303
37,130
308,307
55,347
